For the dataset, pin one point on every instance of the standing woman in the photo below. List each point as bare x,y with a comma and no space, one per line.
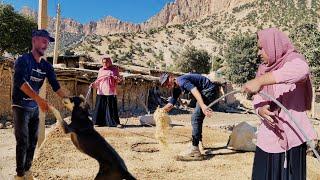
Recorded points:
106,109
283,74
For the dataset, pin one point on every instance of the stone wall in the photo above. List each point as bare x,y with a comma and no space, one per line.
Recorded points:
5,95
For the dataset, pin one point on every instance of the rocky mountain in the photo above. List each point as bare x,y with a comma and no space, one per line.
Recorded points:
182,11
179,27
29,12
67,24
71,30
204,24
109,25
177,12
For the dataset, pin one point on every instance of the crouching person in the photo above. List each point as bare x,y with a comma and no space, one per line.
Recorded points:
204,92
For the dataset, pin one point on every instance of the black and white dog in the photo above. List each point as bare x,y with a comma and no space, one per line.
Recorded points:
90,142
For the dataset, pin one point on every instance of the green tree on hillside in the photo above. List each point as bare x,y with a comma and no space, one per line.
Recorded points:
241,56
307,40
193,59
216,63
15,31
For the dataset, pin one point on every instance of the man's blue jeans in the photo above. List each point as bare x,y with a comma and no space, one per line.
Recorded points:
197,116
26,122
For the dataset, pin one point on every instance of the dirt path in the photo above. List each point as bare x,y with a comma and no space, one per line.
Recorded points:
7,153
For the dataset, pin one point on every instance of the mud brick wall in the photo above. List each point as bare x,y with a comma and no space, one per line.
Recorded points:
5,92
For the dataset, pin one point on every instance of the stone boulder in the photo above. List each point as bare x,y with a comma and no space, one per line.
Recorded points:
242,137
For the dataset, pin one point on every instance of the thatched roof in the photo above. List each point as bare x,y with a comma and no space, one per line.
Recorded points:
131,69
123,68
153,71
87,75
77,57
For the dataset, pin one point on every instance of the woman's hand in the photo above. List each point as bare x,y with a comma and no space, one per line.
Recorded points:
253,86
266,113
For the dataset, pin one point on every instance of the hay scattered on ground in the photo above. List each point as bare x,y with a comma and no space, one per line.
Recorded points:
59,158
163,121
56,114
56,132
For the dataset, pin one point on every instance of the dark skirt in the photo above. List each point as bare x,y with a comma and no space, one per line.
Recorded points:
270,166
106,111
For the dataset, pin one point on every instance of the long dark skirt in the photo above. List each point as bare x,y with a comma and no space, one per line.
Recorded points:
106,111
270,166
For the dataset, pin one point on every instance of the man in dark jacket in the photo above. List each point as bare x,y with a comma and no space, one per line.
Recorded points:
203,91
30,71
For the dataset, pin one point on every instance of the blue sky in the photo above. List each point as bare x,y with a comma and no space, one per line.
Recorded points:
84,11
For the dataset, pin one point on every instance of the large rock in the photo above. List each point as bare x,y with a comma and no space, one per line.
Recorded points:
242,137
147,120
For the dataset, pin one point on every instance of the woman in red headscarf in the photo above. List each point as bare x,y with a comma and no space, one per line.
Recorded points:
106,109
283,74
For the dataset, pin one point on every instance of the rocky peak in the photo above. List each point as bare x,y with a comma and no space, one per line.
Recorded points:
26,11
176,12
182,11
109,25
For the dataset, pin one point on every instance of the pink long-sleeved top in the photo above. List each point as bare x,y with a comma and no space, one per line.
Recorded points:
106,82
289,89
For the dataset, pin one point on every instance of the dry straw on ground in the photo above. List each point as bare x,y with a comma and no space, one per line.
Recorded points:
57,130
59,159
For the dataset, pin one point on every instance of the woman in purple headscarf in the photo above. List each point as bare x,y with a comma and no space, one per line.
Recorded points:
106,109
283,74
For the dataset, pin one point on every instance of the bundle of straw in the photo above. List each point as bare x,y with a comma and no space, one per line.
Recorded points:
162,121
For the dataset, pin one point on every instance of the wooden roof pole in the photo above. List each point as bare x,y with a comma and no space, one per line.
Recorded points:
56,43
43,16
42,24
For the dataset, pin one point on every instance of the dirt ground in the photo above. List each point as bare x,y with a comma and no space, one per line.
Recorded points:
59,159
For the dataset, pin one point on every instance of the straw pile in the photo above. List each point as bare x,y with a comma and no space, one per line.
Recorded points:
56,131
162,121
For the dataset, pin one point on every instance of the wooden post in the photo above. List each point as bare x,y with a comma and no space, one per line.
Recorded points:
11,85
81,62
42,24
147,99
43,16
56,44
75,86
94,97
